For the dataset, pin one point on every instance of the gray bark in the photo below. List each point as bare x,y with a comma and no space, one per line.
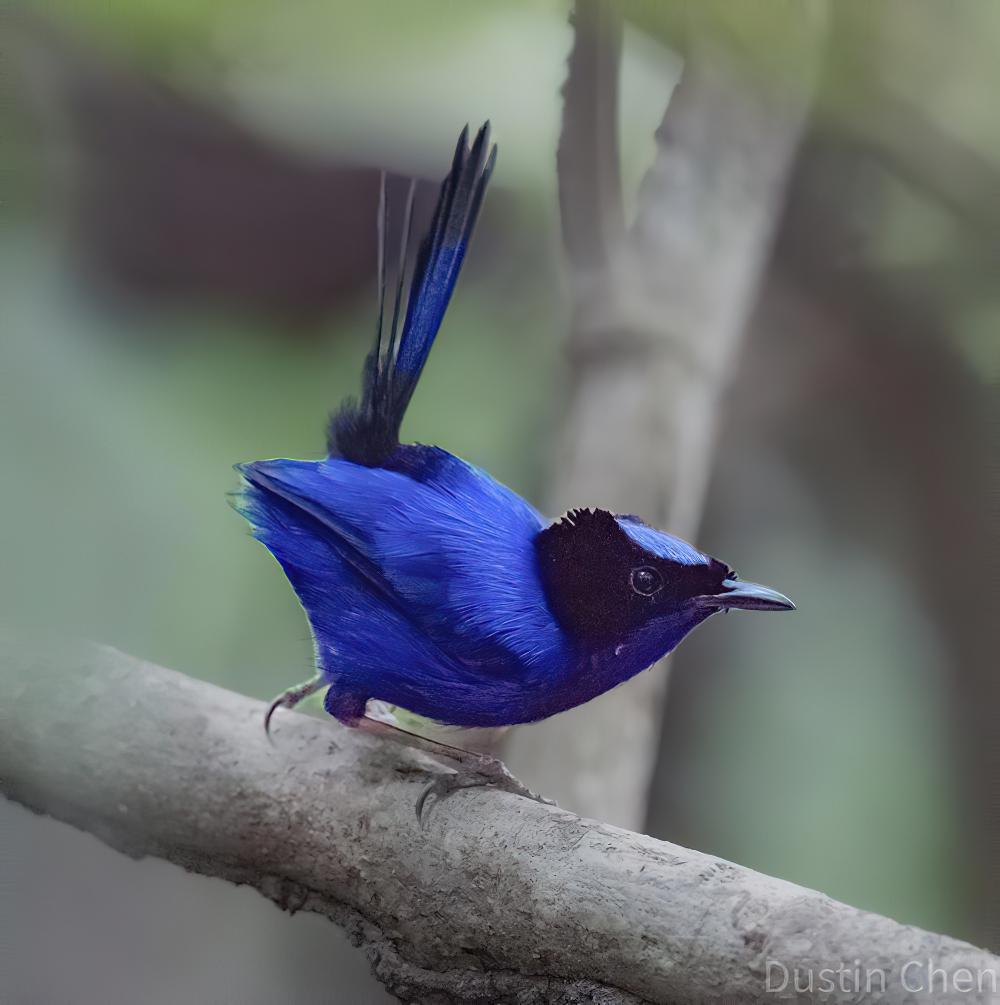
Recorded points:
496,899
658,315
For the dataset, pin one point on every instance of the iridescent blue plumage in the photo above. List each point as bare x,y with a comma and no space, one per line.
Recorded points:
446,563
431,586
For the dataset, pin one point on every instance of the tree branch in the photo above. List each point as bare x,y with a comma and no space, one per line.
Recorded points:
657,322
498,899
590,196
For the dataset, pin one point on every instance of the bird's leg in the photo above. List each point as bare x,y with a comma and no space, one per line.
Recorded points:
481,769
291,698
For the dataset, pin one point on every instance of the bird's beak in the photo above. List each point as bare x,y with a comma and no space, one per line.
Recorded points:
750,597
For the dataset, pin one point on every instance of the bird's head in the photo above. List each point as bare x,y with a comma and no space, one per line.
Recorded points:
615,583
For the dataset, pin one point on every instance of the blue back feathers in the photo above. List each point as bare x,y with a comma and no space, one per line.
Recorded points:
367,432
419,579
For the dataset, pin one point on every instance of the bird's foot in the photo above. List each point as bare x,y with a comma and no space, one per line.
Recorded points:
473,769
485,771
291,698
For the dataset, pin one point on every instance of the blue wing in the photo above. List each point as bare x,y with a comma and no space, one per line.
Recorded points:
435,538
359,629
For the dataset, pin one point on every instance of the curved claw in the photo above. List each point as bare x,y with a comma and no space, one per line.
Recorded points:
271,709
443,786
289,699
493,772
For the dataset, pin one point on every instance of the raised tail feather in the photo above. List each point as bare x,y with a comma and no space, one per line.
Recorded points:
367,432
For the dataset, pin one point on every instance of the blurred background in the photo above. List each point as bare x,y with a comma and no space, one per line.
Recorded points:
188,256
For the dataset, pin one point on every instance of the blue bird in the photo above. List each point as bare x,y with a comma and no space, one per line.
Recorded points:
432,587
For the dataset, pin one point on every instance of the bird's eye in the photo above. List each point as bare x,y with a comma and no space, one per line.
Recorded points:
646,581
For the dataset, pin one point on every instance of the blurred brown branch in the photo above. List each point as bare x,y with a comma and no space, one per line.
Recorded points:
658,314
166,197
498,899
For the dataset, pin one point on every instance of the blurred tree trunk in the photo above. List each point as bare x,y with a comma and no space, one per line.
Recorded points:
658,313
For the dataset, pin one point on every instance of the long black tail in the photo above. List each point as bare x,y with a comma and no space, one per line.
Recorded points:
367,432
